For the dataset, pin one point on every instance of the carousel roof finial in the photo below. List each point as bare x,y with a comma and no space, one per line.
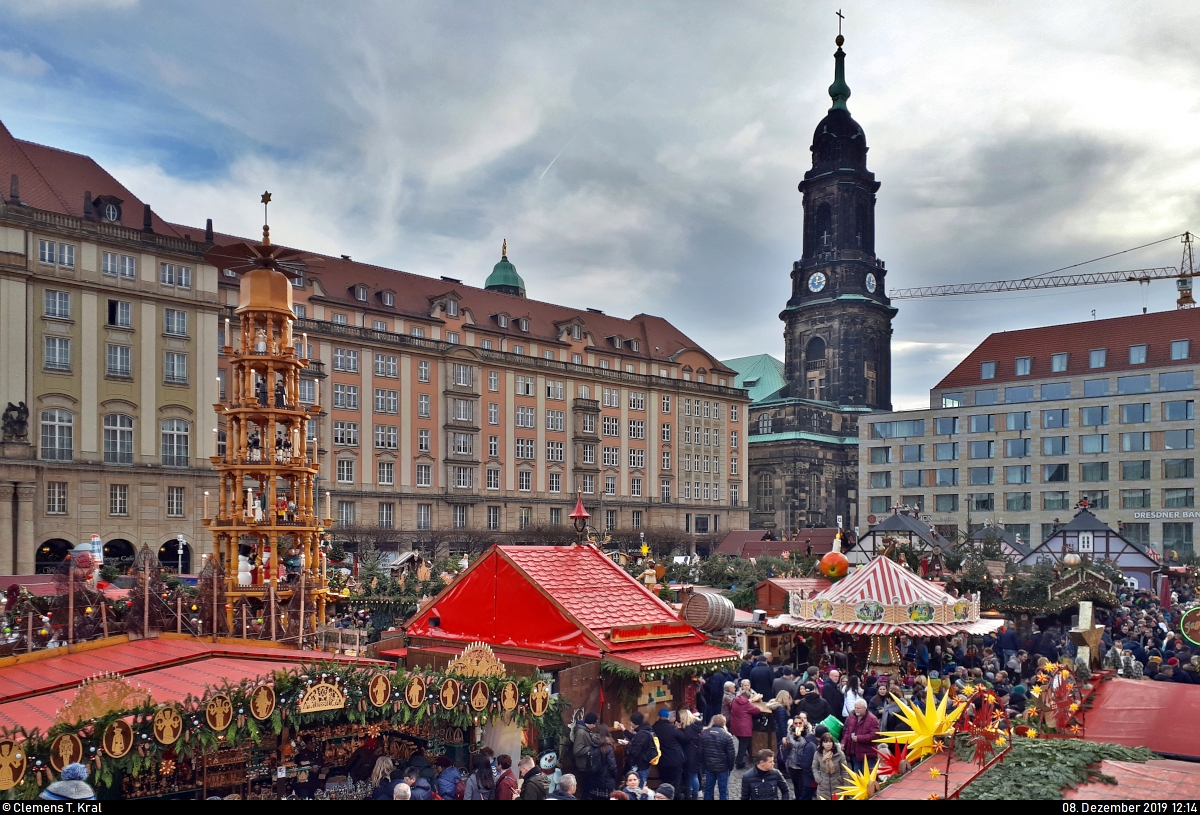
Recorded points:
266,199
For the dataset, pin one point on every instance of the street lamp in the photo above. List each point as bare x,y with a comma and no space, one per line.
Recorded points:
580,517
179,542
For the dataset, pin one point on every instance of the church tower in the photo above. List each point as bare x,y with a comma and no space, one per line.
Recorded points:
838,320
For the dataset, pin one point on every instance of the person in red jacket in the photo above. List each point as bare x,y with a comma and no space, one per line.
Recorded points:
506,782
859,734
741,725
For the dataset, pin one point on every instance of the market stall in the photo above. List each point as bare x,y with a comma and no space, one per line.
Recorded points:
195,720
572,617
880,600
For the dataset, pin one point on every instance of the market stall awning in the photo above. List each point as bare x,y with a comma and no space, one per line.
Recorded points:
671,656
1138,713
882,629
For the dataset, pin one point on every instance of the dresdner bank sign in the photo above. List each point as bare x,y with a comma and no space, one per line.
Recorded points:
1163,516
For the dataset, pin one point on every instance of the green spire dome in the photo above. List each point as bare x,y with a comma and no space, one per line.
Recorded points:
504,277
839,91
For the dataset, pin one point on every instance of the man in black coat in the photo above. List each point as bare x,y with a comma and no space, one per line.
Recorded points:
763,781
833,694
762,677
715,692
812,705
670,766
640,749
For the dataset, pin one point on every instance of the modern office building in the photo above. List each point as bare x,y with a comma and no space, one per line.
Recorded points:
1034,421
445,405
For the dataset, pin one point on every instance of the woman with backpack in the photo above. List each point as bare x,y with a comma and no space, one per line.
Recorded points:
481,784
449,784
602,765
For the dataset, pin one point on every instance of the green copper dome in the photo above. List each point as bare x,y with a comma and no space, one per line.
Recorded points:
504,277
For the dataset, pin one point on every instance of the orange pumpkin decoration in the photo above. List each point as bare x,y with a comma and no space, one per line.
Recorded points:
834,565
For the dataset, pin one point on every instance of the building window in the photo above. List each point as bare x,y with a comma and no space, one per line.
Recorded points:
175,322
1095,443
460,516
1178,498
1177,381
524,517
423,406
1135,470
1017,501
387,514
56,497
308,391
1180,349
1177,537
66,254
57,435
58,354
764,423
982,502
1179,439
1179,468
987,370
1093,471
387,437
610,520
58,304
120,313
1050,392
386,472
119,361
345,433
765,499
423,440
1056,500
174,502
1023,366
1178,411
1133,384
524,480
1098,358
175,433
1135,499
493,518
424,475
635,487
118,439
301,311
610,485
118,499
464,478
171,275
1056,445
175,368
1096,498
345,513
953,400
871,376
424,514
1058,362
345,471
387,401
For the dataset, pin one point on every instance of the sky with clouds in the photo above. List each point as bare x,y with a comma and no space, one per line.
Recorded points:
644,156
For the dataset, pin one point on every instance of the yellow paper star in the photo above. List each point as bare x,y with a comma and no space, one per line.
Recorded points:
859,786
935,797
1000,741
934,772
1037,690
1032,734
969,690
926,726
1074,707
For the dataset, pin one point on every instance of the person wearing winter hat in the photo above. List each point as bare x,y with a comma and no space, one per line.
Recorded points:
665,792
72,787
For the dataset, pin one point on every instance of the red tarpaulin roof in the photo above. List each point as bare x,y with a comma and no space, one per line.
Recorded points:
1154,780
562,599
1140,713
32,692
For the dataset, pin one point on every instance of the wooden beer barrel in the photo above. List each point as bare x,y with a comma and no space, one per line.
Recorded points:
708,612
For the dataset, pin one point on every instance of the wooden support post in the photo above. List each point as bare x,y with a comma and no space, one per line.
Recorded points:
70,601
300,638
214,594
145,599
104,613
29,627
271,608
179,614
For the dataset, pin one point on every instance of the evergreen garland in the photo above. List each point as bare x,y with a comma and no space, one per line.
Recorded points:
1040,769
244,730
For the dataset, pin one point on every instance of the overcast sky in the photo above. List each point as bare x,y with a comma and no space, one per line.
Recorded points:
644,156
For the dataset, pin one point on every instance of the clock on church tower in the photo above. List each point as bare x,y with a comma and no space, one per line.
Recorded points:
839,320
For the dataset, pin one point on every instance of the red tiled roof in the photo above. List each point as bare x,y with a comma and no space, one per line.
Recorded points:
749,543
55,181
1156,330
594,590
673,656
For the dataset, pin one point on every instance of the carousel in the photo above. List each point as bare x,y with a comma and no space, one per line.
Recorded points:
881,600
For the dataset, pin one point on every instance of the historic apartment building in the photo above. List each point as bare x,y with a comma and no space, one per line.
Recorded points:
445,405
807,411
1034,421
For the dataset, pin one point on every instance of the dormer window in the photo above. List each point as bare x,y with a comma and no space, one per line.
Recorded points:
634,345
502,320
617,342
389,299
576,332
360,293
452,308
524,324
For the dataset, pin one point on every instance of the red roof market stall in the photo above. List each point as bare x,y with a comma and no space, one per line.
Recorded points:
571,612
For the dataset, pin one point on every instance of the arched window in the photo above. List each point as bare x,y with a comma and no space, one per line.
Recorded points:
118,439
765,499
764,423
815,366
861,232
824,228
57,435
871,372
175,434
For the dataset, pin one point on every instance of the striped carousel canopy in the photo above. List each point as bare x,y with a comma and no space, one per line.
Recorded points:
883,597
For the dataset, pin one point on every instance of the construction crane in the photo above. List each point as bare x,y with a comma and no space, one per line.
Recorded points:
1183,281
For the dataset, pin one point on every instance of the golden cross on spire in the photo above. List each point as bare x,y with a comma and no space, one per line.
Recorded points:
504,248
840,18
